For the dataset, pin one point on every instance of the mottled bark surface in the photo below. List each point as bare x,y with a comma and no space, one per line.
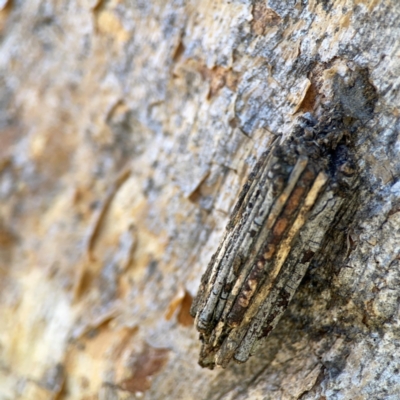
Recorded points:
126,131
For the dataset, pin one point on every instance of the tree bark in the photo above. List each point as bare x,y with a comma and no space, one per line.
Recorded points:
127,129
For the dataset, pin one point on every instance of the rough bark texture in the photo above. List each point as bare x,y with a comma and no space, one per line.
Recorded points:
126,131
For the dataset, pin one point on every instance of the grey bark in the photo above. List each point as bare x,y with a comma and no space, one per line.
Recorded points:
127,130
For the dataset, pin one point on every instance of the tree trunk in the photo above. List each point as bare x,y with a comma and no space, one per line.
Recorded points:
127,129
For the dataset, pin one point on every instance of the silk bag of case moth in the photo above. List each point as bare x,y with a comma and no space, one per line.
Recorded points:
278,224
